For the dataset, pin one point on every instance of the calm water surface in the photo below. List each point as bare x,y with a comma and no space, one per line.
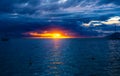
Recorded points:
60,57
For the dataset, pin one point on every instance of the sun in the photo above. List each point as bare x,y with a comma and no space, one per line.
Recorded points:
51,34
57,35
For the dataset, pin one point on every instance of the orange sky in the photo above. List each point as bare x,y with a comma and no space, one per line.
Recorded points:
53,33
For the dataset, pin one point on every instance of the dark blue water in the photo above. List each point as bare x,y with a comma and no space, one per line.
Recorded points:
60,57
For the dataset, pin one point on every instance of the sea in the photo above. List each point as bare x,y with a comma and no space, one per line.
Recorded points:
60,57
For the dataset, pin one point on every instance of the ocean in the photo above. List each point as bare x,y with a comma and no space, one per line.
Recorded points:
60,57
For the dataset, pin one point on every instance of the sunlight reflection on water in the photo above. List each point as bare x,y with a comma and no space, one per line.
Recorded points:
60,57
54,60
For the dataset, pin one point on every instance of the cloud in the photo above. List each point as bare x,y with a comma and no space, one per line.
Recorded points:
35,14
62,1
110,21
103,28
78,8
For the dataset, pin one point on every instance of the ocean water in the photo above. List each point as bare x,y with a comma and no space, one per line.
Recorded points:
60,57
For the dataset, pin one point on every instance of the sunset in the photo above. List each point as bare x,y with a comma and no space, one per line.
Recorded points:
59,37
48,35
53,33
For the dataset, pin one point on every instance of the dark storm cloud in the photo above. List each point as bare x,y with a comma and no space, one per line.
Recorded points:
46,8
34,13
117,2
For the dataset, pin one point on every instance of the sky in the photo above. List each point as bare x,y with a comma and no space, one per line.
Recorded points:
83,17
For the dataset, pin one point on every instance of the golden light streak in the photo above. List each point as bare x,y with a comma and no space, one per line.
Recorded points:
56,35
49,35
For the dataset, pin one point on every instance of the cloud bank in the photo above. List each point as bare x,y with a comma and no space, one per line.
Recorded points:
60,8
111,21
27,15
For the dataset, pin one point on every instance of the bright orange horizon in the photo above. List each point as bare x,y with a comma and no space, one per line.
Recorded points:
54,35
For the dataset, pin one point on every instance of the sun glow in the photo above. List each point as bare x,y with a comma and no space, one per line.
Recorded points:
54,35
57,35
